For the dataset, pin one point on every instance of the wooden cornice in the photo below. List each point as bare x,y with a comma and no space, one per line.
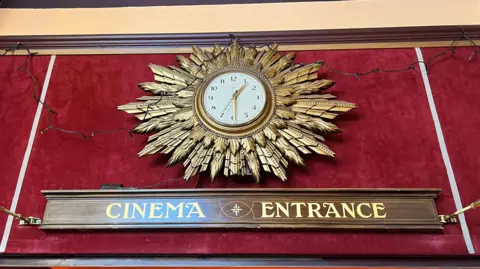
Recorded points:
394,35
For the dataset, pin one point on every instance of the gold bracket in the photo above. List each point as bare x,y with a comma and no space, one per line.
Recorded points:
24,221
447,219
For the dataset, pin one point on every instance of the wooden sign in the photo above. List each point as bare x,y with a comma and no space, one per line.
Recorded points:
403,209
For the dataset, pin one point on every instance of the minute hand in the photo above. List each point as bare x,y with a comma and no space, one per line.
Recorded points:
239,91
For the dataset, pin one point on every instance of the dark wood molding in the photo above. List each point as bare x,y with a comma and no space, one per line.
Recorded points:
378,209
130,3
337,36
239,261
388,192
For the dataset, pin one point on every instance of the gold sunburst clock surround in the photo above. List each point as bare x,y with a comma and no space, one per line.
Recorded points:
236,111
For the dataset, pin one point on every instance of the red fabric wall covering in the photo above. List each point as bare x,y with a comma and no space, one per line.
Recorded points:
455,83
388,142
17,110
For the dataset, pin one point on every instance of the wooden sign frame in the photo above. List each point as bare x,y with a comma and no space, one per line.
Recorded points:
398,209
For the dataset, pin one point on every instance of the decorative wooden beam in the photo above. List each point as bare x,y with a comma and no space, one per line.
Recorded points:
297,37
397,209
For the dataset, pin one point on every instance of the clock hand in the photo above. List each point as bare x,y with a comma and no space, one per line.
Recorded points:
228,104
235,109
225,109
239,91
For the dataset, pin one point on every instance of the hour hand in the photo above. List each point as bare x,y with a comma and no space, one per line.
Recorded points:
234,109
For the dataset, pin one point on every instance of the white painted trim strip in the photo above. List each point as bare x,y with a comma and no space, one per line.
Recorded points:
26,157
445,156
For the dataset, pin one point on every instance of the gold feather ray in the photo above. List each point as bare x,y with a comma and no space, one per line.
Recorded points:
301,112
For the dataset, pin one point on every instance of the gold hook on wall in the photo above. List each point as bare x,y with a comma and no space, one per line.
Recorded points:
24,221
452,217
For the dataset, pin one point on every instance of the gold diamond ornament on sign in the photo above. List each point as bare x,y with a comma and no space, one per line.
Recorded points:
237,111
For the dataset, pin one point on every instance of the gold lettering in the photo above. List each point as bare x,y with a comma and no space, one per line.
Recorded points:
298,208
359,210
350,210
376,208
125,212
153,207
282,208
197,209
137,208
315,210
331,209
109,210
179,207
267,206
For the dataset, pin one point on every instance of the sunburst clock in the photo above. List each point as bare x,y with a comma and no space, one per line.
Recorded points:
237,110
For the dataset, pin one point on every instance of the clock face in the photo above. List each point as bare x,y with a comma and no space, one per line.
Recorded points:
234,98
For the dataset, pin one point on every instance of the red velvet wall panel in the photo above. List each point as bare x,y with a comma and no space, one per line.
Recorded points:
388,142
17,110
455,83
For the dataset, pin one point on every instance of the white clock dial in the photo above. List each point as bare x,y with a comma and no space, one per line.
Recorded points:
234,98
